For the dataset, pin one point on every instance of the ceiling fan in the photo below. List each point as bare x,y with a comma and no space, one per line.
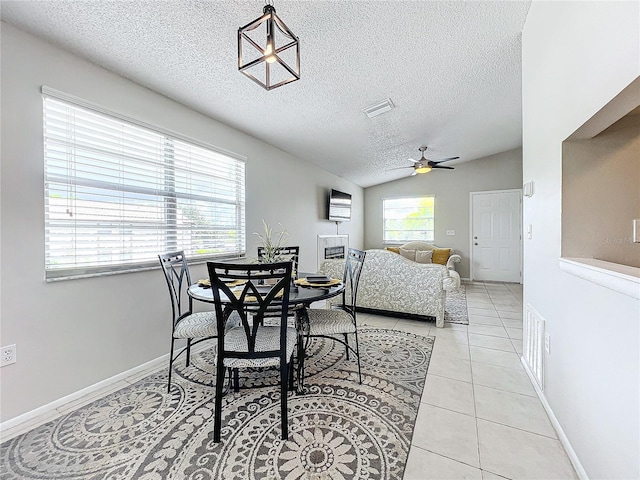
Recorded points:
424,165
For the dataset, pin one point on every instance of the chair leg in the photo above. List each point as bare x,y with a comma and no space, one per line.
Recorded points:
290,369
236,380
358,356
346,341
188,351
217,414
284,424
301,355
170,364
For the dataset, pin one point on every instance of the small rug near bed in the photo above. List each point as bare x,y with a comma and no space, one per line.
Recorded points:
340,429
455,307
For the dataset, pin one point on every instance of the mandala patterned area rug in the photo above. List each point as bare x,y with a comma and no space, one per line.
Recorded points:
339,429
455,307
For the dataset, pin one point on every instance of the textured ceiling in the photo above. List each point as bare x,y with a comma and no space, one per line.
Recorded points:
452,69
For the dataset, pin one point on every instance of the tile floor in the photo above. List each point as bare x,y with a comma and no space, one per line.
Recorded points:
479,416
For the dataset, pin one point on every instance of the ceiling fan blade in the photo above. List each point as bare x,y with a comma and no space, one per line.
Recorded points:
442,166
445,160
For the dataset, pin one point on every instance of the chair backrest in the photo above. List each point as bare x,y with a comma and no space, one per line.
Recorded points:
176,273
351,279
265,290
285,254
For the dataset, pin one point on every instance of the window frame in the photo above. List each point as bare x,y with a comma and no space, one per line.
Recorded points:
237,180
401,242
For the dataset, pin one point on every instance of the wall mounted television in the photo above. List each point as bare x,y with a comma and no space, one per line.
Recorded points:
339,206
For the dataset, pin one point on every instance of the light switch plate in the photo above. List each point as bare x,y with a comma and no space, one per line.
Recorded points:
451,232
636,230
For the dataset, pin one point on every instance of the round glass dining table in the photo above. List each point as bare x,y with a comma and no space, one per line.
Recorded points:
300,298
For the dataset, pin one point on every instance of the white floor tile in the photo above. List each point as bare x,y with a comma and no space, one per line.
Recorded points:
487,312
488,341
447,433
511,323
425,465
491,330
507,379
450,394
512,315
451,335
513,410
491,476
514,453
495,357
443,347
450,367
515,333
483,320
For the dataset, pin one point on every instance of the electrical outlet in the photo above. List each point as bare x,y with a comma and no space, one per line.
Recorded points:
451,232
8,355
547,343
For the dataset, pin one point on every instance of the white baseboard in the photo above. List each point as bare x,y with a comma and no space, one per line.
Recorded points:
12,427
575,461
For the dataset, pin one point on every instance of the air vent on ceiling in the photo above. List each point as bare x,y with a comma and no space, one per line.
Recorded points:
378,108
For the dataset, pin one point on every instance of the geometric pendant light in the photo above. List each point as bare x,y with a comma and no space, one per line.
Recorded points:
268,52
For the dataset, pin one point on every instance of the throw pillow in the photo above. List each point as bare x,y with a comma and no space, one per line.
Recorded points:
394,249
424,256
441,255
410,254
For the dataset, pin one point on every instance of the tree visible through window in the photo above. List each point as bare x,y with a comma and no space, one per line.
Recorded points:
407,219
117,194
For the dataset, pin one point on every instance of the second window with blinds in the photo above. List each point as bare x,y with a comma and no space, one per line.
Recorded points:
118,193
408,218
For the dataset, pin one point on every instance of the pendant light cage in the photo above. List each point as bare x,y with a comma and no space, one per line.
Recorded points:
268,52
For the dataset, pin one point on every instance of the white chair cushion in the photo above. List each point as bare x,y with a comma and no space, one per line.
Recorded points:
197,325
267,338
202,325
329,322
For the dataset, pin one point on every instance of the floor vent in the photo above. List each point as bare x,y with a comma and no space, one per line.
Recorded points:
534,344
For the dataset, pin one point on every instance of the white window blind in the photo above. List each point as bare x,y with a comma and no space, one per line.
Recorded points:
407,219
117,194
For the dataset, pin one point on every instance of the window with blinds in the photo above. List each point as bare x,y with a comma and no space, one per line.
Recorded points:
118,193
407,219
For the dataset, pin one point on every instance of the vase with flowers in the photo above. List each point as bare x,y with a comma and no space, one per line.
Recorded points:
271,243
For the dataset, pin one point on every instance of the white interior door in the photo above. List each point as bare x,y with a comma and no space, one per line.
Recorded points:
496,242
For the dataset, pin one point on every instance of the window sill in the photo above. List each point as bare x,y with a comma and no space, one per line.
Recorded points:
620,278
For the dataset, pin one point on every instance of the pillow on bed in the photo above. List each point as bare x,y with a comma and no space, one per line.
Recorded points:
423,256
394,249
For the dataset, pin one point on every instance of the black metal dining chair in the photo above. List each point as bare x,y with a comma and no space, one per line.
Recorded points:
195,327
340,320
285,254
260,288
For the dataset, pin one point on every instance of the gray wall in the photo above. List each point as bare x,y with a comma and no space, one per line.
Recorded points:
451,189
72,334
576,57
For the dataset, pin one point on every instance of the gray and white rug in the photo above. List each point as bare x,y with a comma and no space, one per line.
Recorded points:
455,307
338,430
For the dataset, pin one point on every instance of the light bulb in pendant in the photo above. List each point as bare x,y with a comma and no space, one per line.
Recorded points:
269,51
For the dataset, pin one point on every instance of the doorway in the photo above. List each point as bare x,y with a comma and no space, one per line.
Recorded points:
496,238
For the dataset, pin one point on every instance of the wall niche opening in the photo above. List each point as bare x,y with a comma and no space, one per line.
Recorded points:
601,184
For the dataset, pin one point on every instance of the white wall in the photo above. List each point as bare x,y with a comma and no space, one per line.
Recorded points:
451,188
72,334
576,57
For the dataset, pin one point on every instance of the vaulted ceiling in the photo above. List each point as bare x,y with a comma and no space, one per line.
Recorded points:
451,68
